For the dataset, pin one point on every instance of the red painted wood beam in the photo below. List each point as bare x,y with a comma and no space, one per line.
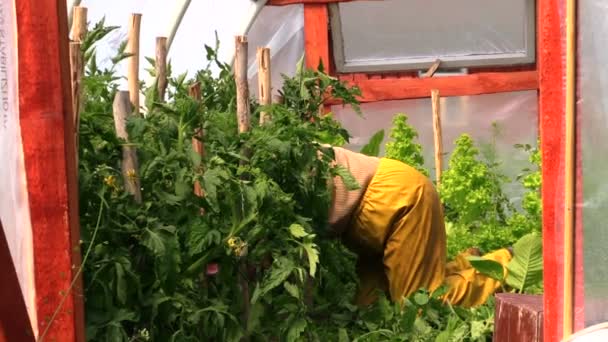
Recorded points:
15,322
551,52
48,145
294,2
316,35
387,89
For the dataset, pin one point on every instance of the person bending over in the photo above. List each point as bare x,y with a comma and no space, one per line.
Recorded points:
395,224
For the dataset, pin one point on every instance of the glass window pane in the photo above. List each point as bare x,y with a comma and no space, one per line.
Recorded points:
395,32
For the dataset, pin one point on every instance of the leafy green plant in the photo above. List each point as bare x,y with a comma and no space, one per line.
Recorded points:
524,272
372,148
402,145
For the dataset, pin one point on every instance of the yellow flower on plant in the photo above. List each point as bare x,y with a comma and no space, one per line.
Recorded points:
110,181
131,175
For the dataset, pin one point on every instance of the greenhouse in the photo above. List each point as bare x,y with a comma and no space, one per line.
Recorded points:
303,170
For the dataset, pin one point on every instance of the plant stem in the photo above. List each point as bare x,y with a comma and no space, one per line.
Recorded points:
84,260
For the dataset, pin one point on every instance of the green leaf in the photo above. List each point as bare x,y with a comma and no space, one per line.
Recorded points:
292,289
421,298
490,268
372,148
121,284
526,267
343,335
313,257
296,329
444,336
281,269
297,231
154,242
349,180
255,317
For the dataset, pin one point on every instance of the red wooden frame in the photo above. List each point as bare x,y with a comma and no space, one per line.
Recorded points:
48,146
399,86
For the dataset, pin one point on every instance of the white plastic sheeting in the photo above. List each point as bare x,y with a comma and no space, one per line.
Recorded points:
281,28
593,116
514,113
415,31
14,206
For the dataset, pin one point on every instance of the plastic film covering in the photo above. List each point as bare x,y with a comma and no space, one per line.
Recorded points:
593,118
281,28
515,115
14,203
434,29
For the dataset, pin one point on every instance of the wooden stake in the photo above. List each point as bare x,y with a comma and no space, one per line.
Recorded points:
76,71
437,135
130,166
133,61
570,167
242,86
79,24
264,81
244,123
161,66
197,144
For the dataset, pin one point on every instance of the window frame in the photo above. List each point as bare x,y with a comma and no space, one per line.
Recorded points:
447,62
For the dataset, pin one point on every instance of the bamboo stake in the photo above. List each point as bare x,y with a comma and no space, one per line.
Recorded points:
161,66
76,71
244,121
79,24
130,166
133,61
242,86
264,81
437,135
570,161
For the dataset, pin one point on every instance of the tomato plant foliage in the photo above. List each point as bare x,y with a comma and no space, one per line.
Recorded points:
251,258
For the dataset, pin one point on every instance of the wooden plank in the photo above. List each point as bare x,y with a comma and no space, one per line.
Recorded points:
410,88
551,117
316,35
518,318
264,81
45,109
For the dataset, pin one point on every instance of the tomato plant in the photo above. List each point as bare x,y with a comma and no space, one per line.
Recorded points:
252,258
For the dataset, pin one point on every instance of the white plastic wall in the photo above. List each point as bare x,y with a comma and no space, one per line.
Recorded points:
515,114
14,206
593,118
278,27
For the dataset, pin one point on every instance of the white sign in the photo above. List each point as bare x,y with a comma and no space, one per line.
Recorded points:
14,205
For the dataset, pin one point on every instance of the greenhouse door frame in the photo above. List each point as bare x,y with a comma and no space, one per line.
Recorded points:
546,76
47,131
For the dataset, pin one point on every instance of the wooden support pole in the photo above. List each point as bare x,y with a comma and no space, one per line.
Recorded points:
79,24
264,81
133,61
244,124
76,71
161,67
242,86
197,141
438,136
130,166
570,168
